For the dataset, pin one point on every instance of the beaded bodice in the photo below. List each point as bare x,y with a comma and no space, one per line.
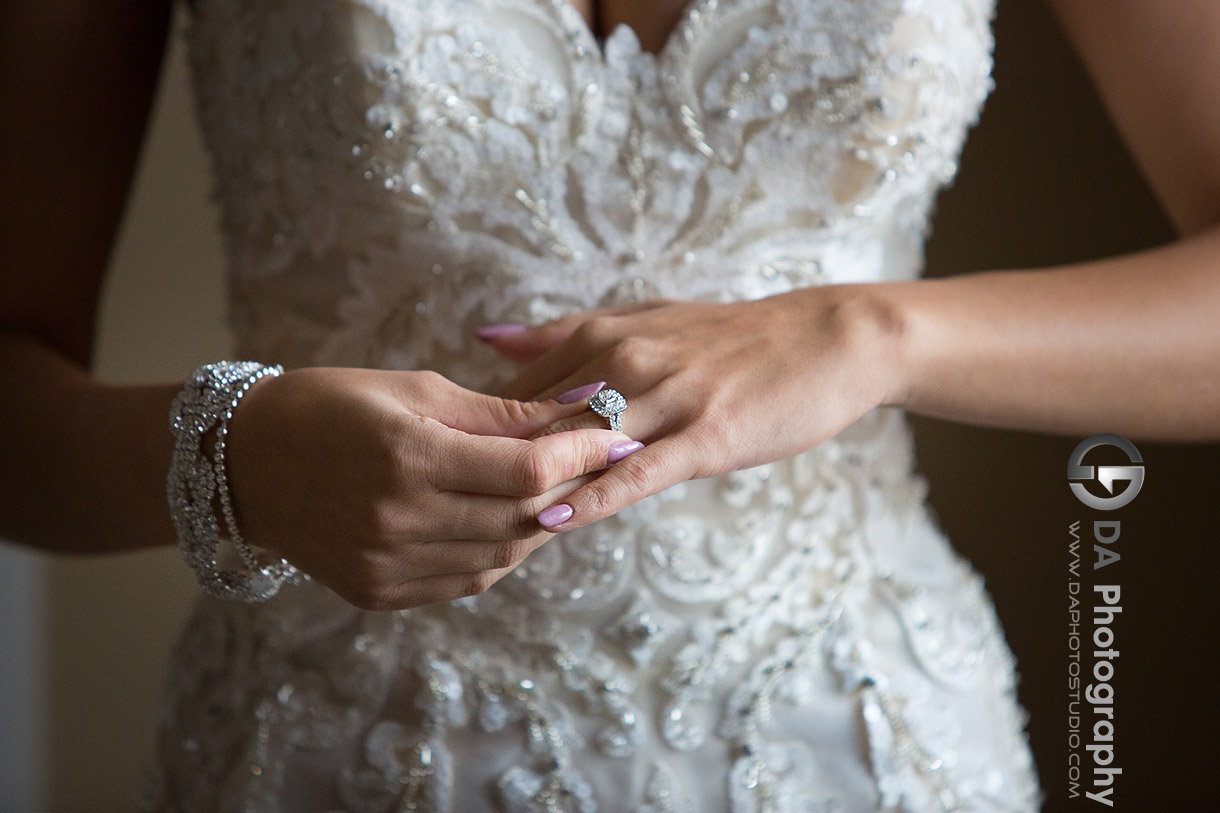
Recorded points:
393,174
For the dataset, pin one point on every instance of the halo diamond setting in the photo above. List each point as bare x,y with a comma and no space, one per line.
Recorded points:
610,404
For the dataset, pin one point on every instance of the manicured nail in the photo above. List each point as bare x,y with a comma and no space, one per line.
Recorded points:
622,449
580,393
555,515
496,331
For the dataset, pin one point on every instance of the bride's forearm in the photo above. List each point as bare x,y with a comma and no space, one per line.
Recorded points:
83,463
1128,345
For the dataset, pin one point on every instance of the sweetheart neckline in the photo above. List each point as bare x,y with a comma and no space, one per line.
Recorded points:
691,11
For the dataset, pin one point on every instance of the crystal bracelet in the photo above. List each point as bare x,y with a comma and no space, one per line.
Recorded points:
197,484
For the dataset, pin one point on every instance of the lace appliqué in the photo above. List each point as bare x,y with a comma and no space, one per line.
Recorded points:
393,173
453,173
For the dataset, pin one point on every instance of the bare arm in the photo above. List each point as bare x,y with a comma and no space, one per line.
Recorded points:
1129,344
83,463
348,473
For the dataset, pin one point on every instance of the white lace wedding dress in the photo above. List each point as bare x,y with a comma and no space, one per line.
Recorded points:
800,636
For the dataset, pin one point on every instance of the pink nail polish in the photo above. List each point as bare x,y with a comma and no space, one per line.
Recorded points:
490,332
580,393
555,515
622,449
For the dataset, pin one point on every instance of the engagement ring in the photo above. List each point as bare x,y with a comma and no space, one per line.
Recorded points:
610,404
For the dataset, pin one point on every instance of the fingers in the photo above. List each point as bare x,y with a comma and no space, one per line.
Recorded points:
454,569
503,531
478,414
525,344
596,333
557,364
649,471
661,410
587,420
511,467
484,518
459,556
433,589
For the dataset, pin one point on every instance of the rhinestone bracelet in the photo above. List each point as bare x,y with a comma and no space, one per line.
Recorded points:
196,484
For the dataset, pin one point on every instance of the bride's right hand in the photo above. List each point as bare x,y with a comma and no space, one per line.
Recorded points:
397,489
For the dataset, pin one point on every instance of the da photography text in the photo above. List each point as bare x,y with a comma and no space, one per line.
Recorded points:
1094,607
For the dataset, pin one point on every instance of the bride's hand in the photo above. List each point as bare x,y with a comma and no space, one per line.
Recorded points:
711,388
397,489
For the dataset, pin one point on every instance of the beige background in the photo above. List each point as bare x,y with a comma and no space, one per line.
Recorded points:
1043,181
112,621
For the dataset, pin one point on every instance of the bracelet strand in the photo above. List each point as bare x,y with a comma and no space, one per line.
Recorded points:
196,484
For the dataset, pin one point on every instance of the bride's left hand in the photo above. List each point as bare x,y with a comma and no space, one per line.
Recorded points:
711,388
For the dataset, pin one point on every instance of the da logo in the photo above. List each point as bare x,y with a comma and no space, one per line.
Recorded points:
1079,473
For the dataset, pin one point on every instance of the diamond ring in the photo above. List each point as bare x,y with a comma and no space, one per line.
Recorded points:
610,404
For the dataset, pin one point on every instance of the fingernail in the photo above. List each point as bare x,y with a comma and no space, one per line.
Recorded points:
622,449
496,331
580,393
555,515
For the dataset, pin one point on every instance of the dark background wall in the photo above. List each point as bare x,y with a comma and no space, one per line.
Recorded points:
1044,181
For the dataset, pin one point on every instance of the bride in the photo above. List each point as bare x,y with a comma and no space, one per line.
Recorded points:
679,560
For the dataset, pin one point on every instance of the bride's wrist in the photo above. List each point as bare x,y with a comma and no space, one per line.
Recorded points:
887,306
197,484
875,330
923,342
